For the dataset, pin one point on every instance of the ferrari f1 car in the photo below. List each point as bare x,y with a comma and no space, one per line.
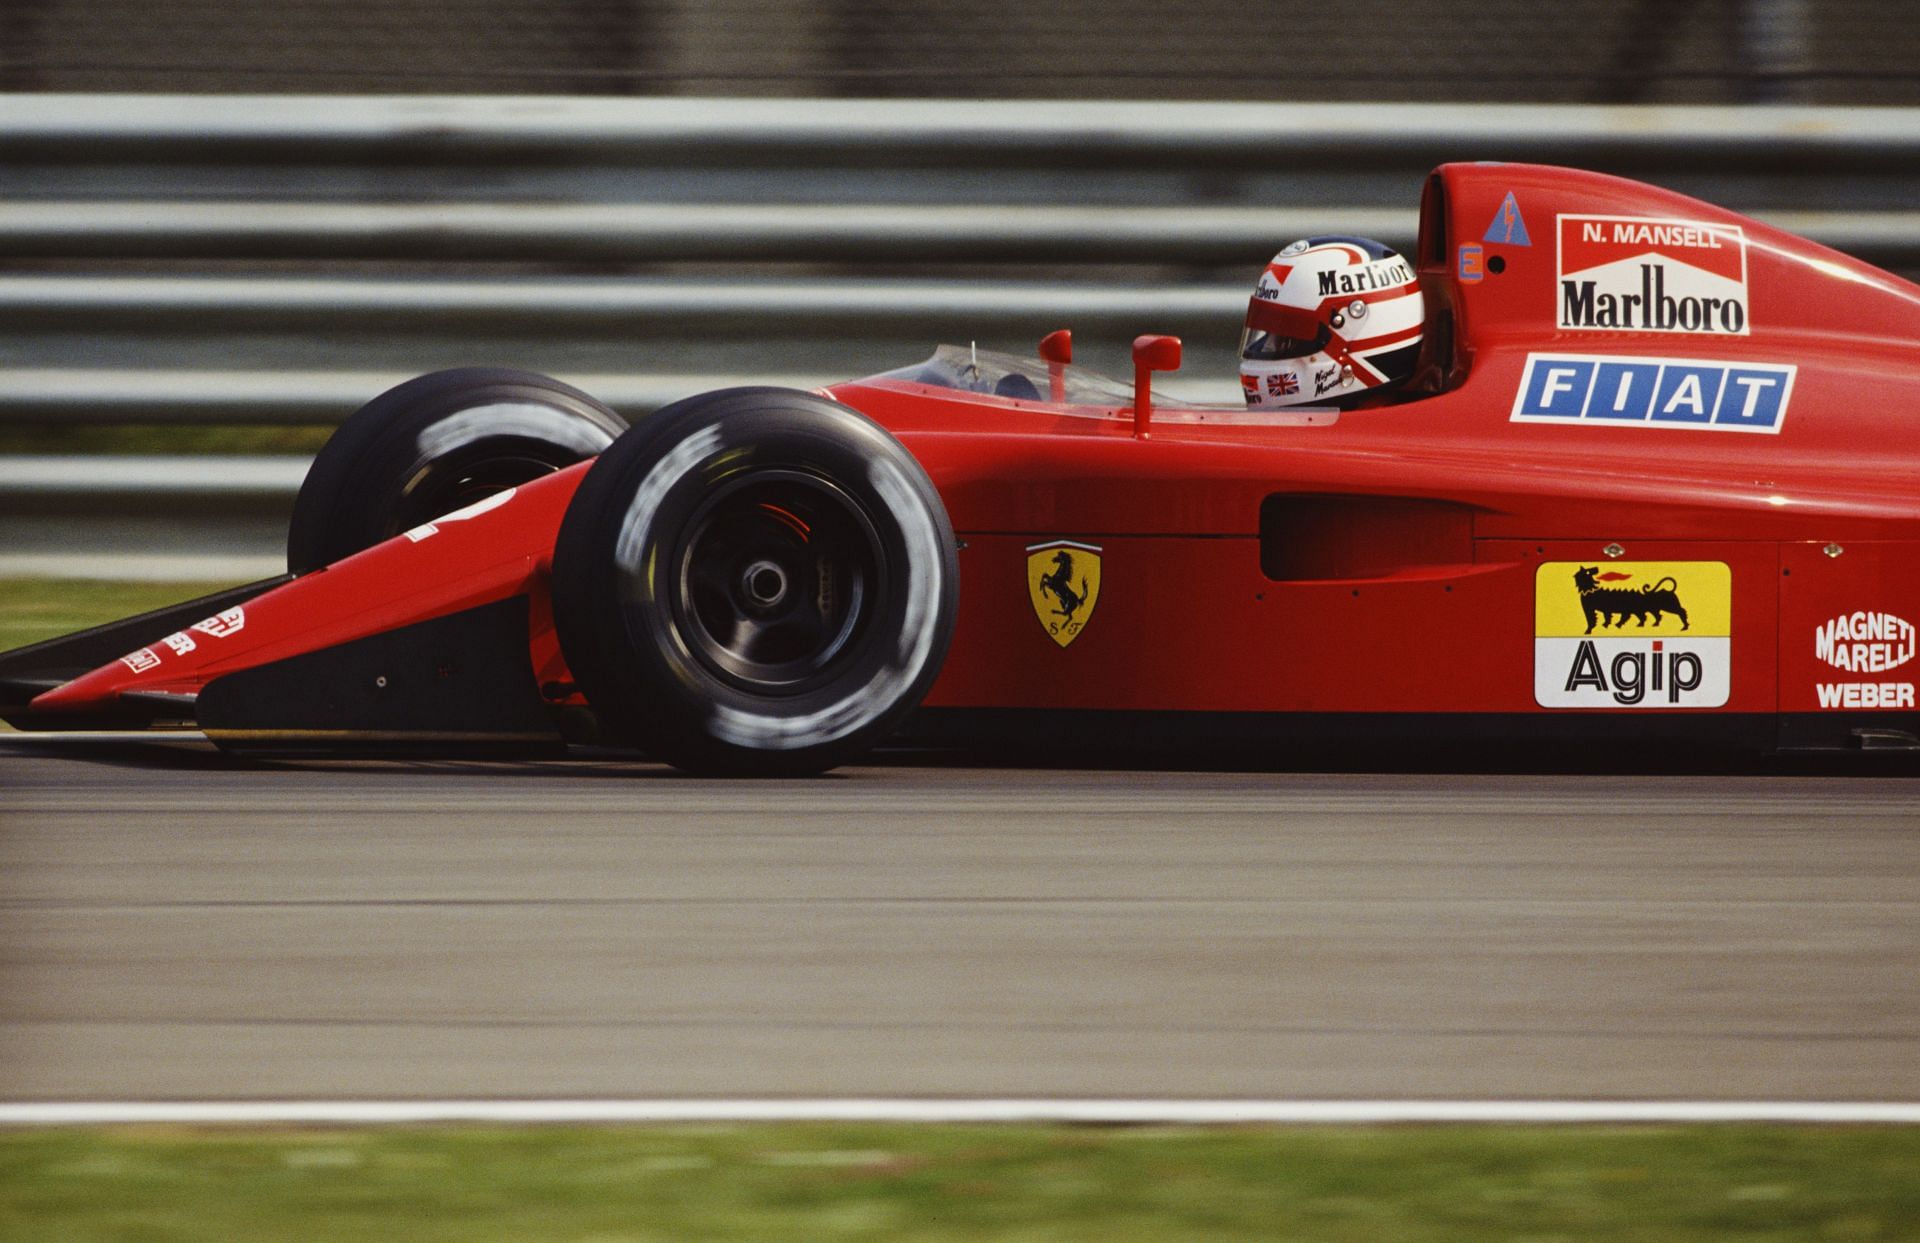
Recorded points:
1656,478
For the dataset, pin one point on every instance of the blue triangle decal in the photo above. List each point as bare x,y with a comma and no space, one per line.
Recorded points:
1507,227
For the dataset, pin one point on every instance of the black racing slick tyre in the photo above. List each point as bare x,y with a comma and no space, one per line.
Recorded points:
433,445
755,582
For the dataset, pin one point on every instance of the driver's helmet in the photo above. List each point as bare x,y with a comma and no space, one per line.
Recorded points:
1332,320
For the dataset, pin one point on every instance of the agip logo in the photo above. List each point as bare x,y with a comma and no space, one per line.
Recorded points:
1633,634
1063,582
1631,274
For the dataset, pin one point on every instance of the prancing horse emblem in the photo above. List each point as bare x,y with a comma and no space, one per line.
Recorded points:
1063,581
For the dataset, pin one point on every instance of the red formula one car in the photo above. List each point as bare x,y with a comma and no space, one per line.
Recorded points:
1654,479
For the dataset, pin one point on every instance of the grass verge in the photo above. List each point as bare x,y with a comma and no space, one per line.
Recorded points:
890,1182
197,438
32,609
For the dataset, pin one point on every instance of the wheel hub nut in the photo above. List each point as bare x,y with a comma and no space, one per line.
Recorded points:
764,583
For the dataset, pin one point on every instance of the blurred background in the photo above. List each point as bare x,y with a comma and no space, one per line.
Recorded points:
1442,51
224,224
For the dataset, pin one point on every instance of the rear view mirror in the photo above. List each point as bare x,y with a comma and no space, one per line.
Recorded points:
1151,353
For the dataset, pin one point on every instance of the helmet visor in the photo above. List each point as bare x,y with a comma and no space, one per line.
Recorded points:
1275,331
1262,346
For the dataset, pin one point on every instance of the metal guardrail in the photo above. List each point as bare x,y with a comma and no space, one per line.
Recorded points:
280,259
98,396
639,306
942,131
160,479
732,233
195,519
644,232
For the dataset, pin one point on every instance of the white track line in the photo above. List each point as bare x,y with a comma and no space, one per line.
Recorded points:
1183,1112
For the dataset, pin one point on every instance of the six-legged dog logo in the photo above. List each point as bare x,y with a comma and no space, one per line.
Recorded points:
1613,605
1063,582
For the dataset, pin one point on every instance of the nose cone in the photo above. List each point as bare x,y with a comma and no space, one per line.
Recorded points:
168,665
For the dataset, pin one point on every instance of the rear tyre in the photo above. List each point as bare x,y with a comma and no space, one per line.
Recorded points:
436,444
755,582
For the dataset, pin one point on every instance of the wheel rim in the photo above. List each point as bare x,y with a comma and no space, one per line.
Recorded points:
776,578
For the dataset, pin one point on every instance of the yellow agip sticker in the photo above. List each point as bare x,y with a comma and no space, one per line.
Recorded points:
1633,634
1063,582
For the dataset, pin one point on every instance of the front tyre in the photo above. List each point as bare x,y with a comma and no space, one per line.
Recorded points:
435,444
755,581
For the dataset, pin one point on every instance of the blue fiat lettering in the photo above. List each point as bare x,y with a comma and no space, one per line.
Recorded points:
1753,398
1654,392
1623,391
1688,393
1556,388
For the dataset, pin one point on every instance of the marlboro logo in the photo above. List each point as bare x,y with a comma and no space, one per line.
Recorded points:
1628,274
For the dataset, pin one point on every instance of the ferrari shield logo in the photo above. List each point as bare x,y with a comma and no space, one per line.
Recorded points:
1063,581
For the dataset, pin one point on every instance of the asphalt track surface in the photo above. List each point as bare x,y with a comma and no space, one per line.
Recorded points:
177,926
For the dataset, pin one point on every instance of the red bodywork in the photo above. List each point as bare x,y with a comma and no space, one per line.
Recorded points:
1388,561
